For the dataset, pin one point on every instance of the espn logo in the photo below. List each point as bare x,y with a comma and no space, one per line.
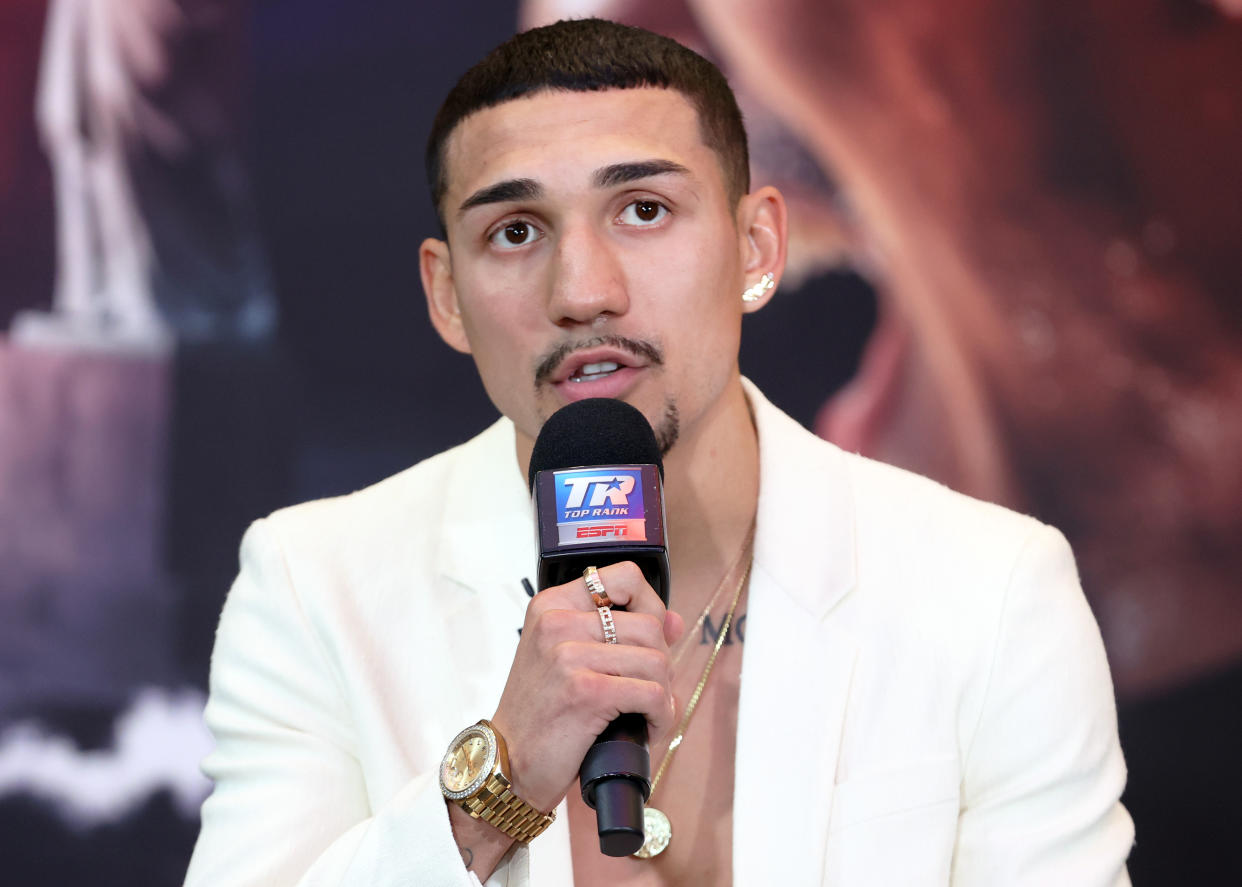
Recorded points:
610,532
603,530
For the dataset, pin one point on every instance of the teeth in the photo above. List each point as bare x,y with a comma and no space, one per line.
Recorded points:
596,369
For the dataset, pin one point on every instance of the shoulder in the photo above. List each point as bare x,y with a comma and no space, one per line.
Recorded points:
888,511
892,504
973,592
955,566
902,543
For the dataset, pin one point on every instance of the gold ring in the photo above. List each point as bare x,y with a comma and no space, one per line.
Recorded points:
595,588
610,630
603,605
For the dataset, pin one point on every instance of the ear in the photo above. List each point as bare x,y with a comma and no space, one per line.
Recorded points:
436,268
763,226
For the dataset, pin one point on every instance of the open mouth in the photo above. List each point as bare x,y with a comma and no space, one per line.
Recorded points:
606,366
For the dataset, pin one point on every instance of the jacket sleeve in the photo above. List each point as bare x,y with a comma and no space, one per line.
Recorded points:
290,805
1044,772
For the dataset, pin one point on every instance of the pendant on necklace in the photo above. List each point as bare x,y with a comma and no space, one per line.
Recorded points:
657,832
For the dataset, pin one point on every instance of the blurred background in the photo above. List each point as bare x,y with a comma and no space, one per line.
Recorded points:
1015,267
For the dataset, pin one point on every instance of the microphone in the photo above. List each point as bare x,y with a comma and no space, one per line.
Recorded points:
598,485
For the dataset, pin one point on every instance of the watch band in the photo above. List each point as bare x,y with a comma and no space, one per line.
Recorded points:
497,805
494,801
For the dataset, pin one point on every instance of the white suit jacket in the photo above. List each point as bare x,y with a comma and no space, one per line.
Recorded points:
924,694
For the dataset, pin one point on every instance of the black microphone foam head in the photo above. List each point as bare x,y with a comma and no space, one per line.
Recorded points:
596,431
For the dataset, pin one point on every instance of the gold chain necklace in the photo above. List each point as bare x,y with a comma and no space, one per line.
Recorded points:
657,830
687,642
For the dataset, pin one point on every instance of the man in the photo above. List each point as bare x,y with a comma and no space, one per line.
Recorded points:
925,697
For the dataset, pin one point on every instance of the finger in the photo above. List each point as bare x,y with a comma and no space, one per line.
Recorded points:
615,696
674,627
627,587
553,627
624,584
634,629
619,660
572,595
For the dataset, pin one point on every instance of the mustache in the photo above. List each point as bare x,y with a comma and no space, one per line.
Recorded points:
647,350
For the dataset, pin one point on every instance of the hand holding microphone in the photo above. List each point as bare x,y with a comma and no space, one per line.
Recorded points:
566,684
597,482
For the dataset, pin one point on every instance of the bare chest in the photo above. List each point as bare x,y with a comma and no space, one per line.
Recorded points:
695,792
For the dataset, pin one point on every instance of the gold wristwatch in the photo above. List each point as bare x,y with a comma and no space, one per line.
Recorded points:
475,774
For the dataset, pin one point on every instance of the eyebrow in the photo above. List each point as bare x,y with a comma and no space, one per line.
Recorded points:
620,173
503,192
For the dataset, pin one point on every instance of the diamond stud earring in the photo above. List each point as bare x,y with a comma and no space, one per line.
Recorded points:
757,292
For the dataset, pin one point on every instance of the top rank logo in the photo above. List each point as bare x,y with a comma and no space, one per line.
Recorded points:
590,494
611,488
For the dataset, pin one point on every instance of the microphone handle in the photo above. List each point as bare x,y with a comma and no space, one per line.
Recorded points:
616,781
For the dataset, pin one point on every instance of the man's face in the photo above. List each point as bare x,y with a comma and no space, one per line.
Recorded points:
592,252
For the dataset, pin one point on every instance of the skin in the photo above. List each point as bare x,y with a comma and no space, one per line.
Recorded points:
1056,263
618,243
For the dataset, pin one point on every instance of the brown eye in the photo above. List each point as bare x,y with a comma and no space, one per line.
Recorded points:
514,234
643,212
647,210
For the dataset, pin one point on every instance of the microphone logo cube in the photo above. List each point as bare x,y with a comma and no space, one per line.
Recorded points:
598,503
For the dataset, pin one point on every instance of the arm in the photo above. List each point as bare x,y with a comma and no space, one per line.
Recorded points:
1044,772
290,805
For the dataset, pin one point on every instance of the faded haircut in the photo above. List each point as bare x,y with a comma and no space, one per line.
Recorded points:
589,55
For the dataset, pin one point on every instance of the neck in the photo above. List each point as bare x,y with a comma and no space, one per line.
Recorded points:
711,492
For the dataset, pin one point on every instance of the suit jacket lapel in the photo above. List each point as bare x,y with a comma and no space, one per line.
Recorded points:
487,543
798,660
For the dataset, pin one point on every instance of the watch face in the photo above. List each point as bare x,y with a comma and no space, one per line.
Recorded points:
469,760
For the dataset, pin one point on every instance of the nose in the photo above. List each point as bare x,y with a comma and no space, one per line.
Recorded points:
588,279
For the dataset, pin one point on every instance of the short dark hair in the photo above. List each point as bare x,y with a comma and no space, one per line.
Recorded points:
588,55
